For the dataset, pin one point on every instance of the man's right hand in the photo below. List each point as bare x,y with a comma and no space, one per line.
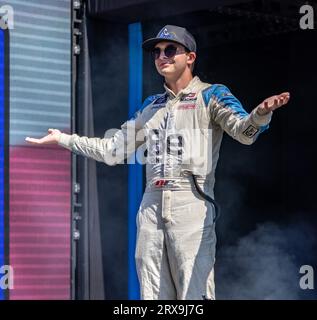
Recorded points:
51,138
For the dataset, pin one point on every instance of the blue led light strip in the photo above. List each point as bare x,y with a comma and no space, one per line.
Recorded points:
2,133
135,179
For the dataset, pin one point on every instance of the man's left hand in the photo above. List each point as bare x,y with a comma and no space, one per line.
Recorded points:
272,103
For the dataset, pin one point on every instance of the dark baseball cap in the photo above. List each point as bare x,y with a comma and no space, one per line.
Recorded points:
172,33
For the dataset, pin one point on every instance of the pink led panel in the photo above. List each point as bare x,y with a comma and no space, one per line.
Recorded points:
40,198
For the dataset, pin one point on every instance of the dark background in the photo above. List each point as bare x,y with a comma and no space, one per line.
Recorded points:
268,224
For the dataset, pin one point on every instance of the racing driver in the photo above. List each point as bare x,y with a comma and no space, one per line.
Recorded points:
179,132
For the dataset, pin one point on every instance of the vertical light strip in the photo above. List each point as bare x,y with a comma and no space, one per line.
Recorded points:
2,133
135,179
38,237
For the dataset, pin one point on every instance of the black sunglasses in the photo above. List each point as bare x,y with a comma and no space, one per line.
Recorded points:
169,51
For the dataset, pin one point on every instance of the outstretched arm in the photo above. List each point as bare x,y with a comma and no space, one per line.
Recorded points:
227,111
52,138
112,149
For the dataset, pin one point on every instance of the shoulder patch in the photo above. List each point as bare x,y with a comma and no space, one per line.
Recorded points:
161,99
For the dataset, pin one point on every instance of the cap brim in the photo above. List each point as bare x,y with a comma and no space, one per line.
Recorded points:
149,44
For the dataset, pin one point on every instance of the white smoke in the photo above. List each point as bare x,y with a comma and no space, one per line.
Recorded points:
265,264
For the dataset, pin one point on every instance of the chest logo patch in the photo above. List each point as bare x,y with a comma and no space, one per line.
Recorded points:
186,106
189,97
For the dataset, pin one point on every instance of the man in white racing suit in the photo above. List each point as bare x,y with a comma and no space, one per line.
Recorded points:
178,134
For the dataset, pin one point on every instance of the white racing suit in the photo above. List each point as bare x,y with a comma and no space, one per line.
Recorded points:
178,135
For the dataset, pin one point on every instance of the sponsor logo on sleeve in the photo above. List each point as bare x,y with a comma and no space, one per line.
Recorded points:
250,131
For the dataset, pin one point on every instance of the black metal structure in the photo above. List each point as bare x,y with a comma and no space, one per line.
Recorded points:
87,273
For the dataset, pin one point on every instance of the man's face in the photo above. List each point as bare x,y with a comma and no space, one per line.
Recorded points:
170,66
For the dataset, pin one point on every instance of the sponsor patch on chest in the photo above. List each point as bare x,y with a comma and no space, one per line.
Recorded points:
189,97
187,106
188,102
